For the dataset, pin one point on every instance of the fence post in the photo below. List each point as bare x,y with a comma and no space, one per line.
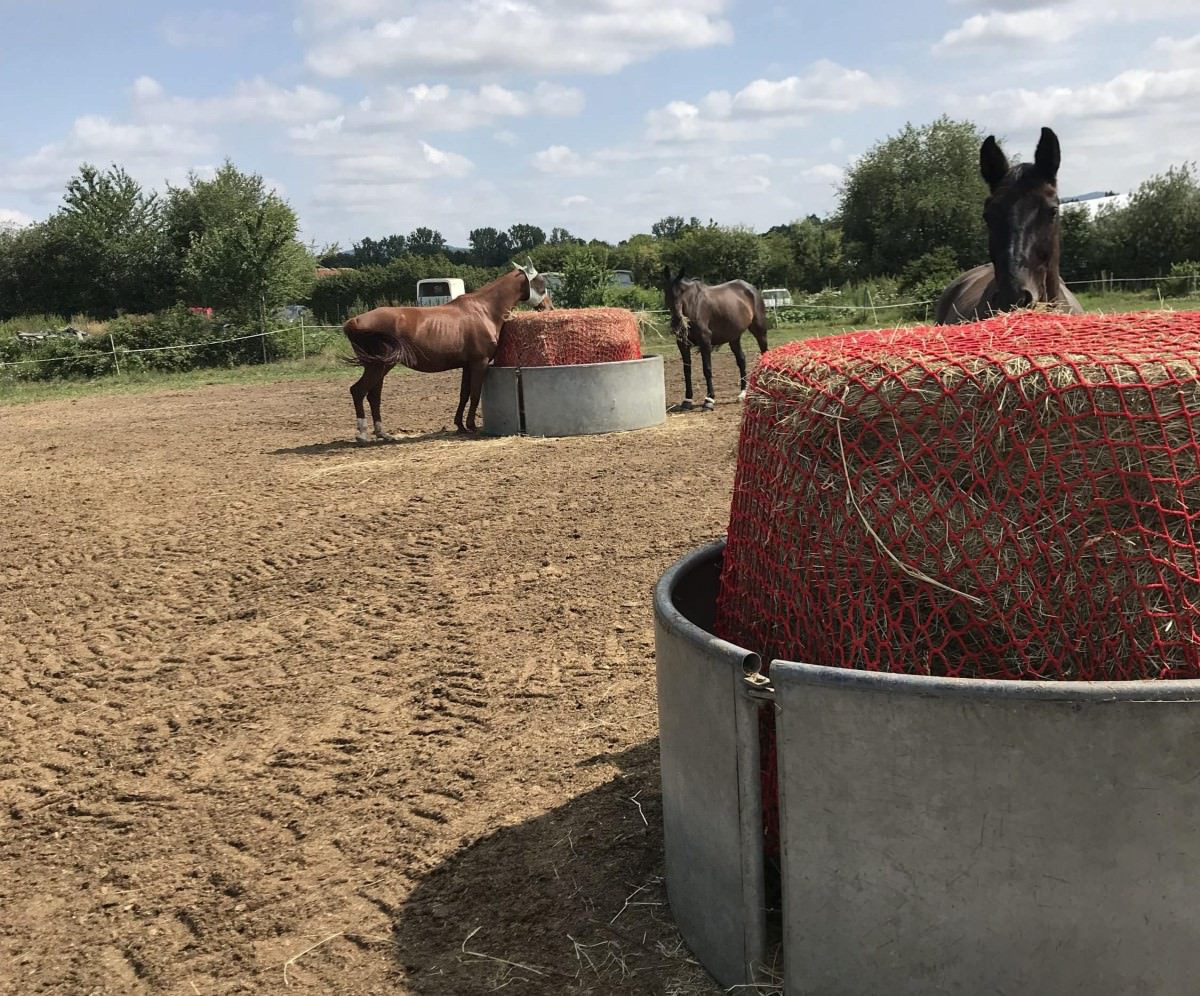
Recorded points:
116,362
303,347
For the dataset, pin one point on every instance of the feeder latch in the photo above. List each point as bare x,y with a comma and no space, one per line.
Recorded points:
758,686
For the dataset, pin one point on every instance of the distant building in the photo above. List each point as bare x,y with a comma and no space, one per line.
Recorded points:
1094,201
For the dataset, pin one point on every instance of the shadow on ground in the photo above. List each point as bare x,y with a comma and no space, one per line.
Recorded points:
311,449
572,902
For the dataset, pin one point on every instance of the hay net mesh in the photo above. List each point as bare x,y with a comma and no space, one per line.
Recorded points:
1017,498
568,336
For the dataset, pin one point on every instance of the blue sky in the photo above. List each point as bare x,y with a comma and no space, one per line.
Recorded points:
373,117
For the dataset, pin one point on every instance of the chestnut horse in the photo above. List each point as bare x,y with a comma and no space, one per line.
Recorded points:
707,317
1023,240
461,334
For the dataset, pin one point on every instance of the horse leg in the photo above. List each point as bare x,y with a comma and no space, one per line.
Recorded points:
735,347
464,392
478,372
375,398
358,391
685,353
710,401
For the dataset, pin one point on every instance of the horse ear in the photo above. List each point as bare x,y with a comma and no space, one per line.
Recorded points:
1048,155
993,163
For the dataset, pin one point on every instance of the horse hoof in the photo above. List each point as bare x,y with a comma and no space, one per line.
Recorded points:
363,440
709,405
683,406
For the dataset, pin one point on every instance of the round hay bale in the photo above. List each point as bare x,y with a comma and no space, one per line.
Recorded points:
1017,498
567,336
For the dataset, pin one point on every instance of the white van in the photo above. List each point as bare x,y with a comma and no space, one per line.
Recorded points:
439,290
777,297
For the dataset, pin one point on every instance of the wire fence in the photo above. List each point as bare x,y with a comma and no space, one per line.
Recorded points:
307,332
116,352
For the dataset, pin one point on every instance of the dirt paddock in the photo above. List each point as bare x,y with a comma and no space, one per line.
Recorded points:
284,714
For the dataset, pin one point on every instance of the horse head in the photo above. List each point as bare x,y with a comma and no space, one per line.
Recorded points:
673,298
1022,218
535,285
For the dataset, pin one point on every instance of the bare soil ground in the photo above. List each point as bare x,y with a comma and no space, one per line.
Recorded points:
280,713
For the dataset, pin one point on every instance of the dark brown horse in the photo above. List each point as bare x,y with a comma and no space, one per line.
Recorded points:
460,335
706,317
1023,240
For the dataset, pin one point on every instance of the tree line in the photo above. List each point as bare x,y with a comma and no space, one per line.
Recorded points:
908,211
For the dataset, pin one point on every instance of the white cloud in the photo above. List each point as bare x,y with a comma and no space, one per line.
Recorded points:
1130,93
765,105
1183,48
561,161
1017,24
441,108
1115,132
372,174
825,172
1005,28
488,36
146,151
248,100
10,218
575,200
318,132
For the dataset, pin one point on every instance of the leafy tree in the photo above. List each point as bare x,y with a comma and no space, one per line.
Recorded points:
912,194
585,277
426,242
523,238
715,253
369,252
1158,227
642,254
241,254
489,247
1077,257
560,236
813,252
672,226
106,245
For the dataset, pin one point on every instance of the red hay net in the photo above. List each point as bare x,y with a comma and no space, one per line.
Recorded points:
568,336
1016,498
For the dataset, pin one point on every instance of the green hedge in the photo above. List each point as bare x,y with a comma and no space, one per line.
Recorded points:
205,339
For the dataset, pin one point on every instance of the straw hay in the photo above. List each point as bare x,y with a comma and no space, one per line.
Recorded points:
567,336
1015,498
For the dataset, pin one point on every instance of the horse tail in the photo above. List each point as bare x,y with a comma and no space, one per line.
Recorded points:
371,347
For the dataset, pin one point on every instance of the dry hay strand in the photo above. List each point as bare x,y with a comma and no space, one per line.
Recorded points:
1016,498
568,336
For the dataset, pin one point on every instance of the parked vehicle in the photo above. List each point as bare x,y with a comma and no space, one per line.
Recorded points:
439,290
777,297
